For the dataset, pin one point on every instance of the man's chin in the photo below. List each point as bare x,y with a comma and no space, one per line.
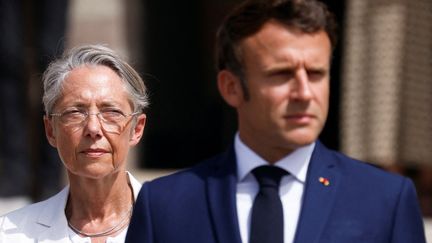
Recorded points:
301,139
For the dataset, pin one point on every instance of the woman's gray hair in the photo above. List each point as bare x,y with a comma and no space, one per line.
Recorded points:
58,70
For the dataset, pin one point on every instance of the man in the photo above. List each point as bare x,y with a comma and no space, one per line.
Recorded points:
274,63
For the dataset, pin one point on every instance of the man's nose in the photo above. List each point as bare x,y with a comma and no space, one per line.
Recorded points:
301,89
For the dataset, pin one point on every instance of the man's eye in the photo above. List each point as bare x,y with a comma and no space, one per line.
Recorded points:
316,74
285,74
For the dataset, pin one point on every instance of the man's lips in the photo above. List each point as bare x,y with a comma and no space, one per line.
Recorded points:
300,118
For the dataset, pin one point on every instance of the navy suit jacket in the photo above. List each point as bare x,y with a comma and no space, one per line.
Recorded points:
361,204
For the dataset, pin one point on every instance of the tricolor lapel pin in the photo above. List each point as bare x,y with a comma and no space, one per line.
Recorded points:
324,181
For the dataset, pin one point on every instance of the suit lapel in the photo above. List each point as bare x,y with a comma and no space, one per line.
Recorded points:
318,198
52,217
221,192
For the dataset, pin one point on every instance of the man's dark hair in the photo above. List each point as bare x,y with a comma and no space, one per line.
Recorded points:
308,16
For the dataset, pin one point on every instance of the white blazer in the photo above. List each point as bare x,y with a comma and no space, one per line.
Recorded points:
43,222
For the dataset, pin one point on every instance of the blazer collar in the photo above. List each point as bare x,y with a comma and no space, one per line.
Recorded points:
52,216
221,188
135,184
318,197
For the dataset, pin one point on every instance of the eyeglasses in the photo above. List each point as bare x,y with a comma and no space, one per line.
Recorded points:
111,120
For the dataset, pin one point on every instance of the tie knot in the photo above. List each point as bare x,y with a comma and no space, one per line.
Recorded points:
269,176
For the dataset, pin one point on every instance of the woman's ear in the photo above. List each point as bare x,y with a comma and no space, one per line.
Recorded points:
49,131
138,130
230,88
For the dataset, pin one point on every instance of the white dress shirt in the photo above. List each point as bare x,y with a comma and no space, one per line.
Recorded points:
290,190
75,238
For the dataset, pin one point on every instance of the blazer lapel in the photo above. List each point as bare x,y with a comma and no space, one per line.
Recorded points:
53,218
221,192
318,197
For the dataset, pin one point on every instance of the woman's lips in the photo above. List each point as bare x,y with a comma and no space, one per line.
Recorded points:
94,152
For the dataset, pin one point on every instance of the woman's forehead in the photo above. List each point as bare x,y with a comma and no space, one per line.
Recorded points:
94,84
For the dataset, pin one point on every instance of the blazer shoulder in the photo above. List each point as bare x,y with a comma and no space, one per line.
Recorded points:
17,217
28,221
20,225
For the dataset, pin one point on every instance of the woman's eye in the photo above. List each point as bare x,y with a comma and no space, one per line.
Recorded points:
72,113
112,114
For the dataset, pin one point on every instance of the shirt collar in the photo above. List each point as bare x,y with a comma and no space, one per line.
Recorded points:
296,163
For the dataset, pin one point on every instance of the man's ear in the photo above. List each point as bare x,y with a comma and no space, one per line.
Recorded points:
138,130
230,88
49,131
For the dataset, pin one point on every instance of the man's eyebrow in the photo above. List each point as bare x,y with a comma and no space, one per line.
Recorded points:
317,69
280,69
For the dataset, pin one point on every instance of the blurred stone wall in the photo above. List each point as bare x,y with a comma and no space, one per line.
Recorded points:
386,95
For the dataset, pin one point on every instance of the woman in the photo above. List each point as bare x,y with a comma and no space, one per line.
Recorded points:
94,103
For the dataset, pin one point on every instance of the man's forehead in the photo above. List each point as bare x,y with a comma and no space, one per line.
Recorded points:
274,44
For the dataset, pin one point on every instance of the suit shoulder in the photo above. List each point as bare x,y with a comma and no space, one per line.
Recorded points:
367,172
194,174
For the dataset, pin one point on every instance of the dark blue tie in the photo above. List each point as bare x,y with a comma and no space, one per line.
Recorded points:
267,212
